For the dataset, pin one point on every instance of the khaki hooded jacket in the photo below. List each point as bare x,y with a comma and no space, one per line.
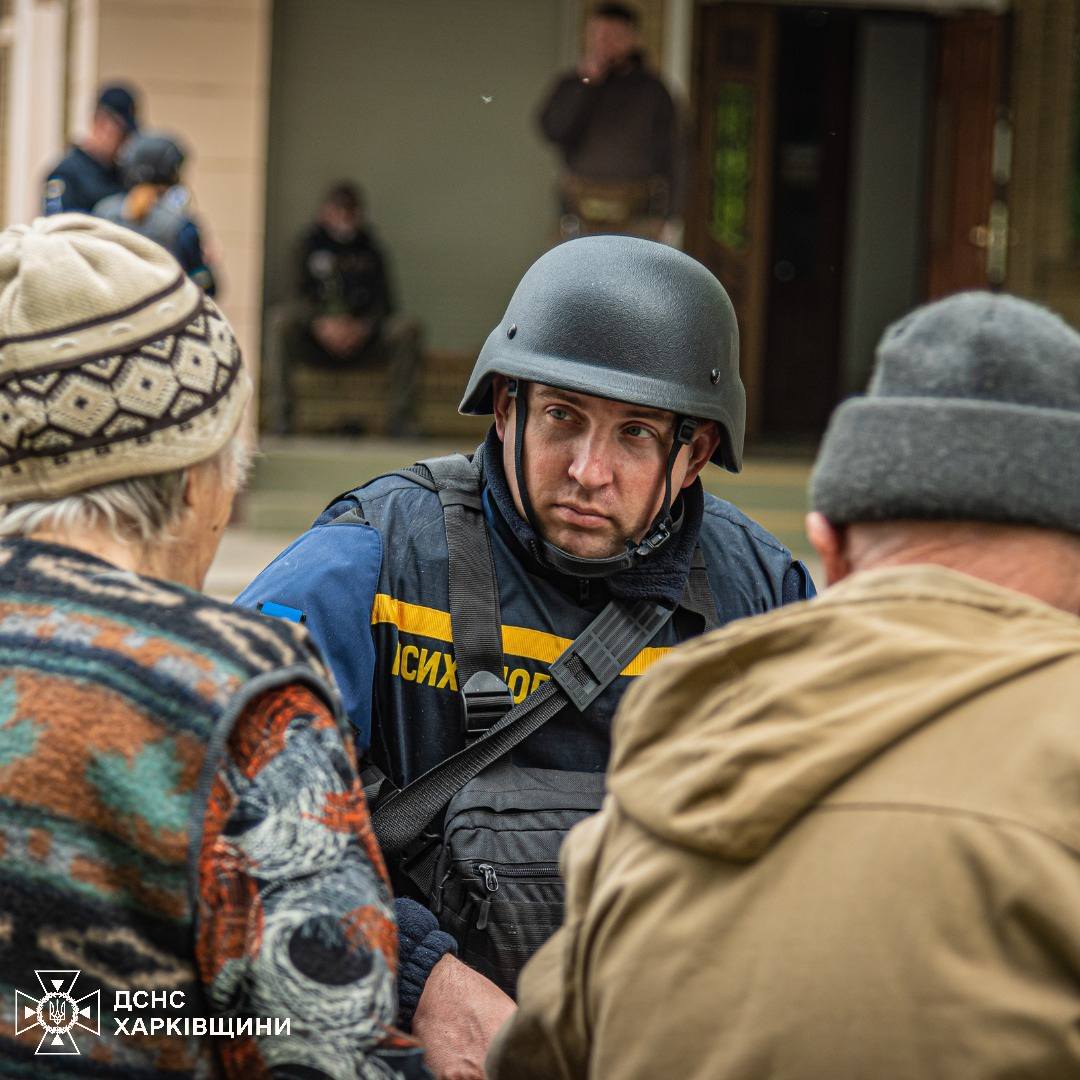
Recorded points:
841,842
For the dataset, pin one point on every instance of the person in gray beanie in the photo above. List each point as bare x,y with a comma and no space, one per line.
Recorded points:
971,401
860,812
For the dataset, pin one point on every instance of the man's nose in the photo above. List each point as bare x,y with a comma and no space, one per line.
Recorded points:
591,464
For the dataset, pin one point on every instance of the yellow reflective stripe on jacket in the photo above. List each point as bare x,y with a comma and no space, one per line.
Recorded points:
516,640
411,618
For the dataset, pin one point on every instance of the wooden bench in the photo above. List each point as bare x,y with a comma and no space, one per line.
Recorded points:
326,401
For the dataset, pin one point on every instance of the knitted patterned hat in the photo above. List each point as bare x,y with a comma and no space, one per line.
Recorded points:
113,364
973,413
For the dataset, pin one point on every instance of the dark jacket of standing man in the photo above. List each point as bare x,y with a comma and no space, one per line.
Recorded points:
89,171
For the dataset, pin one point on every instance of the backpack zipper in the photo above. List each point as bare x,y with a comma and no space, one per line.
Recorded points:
489,874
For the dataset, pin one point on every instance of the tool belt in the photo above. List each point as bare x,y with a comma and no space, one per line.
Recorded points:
613,206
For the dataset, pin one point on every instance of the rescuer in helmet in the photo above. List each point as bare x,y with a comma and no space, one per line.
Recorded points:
483,615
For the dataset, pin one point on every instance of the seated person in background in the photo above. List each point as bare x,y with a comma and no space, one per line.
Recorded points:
180,808
156,204
346,316
89,171
343,275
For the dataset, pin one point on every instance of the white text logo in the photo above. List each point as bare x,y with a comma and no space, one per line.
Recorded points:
57,1011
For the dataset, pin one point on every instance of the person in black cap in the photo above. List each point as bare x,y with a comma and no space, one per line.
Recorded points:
89,171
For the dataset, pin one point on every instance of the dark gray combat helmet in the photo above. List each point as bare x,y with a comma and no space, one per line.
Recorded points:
626,319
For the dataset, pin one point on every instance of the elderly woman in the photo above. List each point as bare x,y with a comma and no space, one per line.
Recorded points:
184,844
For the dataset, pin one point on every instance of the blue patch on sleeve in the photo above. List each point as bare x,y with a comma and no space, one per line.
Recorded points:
280,611
330,574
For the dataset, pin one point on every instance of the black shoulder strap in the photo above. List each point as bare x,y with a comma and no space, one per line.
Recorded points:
580,674
698,596
475,615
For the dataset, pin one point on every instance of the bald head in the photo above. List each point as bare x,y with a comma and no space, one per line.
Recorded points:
1043,563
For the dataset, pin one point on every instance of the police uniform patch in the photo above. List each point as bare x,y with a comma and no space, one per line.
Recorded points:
54,188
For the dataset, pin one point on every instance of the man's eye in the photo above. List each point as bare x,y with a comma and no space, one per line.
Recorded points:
639,431
558,414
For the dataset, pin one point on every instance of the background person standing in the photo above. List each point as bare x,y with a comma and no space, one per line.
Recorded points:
616,128
89,171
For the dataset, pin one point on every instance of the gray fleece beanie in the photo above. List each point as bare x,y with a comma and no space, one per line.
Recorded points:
973,413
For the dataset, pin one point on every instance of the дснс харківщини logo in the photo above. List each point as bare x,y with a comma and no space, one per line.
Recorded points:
57,1011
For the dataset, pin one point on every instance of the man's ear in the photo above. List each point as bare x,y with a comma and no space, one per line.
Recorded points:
199,478
702,447
503,404
191,484
830,542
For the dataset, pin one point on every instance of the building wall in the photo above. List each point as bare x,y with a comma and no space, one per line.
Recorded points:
33,124
391,94
202,67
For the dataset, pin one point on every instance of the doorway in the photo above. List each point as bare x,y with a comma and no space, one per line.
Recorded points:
848,166
812,144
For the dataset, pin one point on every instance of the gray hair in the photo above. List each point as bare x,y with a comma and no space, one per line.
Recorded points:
141,510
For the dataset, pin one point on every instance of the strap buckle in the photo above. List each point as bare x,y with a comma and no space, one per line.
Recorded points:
585,670
376,785
684,433
594,660
656,539
419,863
485,698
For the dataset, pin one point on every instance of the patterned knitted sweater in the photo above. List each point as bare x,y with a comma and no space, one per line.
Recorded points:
180,814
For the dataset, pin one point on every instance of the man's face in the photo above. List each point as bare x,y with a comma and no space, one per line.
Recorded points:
594,468
109,133
342,222
610,41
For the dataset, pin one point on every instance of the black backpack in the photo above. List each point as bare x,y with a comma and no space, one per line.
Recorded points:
478,836
497,883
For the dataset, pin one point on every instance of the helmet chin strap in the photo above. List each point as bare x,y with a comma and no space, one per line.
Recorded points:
659,532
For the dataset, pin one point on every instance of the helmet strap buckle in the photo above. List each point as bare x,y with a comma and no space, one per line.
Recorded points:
656,539
684,431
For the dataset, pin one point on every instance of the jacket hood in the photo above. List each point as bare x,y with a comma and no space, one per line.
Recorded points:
735,735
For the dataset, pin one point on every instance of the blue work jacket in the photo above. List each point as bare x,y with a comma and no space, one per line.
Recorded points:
375,598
